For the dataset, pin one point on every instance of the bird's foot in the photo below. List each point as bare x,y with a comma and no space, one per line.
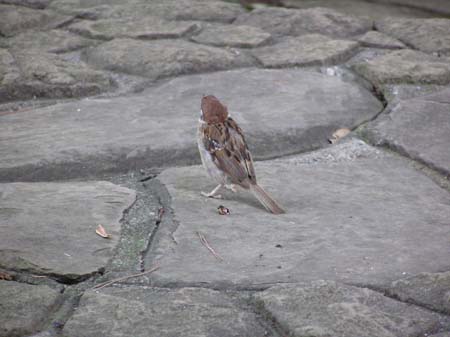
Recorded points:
213,193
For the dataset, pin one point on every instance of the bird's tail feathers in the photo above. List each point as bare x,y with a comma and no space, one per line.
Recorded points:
266,200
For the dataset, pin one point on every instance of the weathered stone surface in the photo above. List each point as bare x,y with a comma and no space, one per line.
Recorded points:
323,309
405,66
156,59
53,41
157,127
434,6
146,28
306,50
15,19
24,308
37,4
377,9
50,227
189,312
353,215
428,35
418,127
441,334
33,73
217,11
430,290
376,39
233,36
281,21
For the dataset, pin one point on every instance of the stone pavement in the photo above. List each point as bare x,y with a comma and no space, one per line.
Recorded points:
99,103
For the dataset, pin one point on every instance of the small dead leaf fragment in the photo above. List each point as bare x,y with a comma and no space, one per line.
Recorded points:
102,232
338,134
5,276
223,210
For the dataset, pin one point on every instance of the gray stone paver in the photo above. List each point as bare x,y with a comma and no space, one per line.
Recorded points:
428,289
405,66
15,19
379,40
354,215
31,74
50,228
161,313
24,308
145,28
419,128
306,50
282,21
233,36
53,41
157,127
163,58
324,308
427,35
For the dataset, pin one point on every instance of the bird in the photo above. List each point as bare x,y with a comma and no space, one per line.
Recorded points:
225,154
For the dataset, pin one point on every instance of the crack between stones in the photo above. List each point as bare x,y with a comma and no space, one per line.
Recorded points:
151,237
219,286
437,175
385,293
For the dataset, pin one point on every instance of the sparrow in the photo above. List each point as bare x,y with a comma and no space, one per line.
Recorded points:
225,155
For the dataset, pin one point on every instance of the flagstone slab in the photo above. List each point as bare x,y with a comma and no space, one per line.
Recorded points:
306,50
427,35
15,19
419,128
353,215
376,39
232,36
320,20
157,128
323,309
25,308
30,74
49,228
184,10
163,58
431,290
145,28
53,41
153,312
405,66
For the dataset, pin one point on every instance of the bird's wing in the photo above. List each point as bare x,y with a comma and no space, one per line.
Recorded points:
226,144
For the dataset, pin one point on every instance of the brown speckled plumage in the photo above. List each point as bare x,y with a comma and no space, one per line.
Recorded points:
225,154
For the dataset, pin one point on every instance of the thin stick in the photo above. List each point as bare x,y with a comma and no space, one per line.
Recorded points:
105,284
207,245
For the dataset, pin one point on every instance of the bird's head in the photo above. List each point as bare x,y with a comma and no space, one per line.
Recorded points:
213,111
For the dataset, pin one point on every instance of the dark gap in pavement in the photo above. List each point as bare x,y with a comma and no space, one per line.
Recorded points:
384,291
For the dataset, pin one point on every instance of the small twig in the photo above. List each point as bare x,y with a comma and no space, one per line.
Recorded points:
207,245
105,284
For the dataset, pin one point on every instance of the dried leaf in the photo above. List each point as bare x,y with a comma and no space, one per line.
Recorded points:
223,210
338,134
5,276
102,232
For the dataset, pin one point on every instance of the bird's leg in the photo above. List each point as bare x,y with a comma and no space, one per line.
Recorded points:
231,187
213,193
